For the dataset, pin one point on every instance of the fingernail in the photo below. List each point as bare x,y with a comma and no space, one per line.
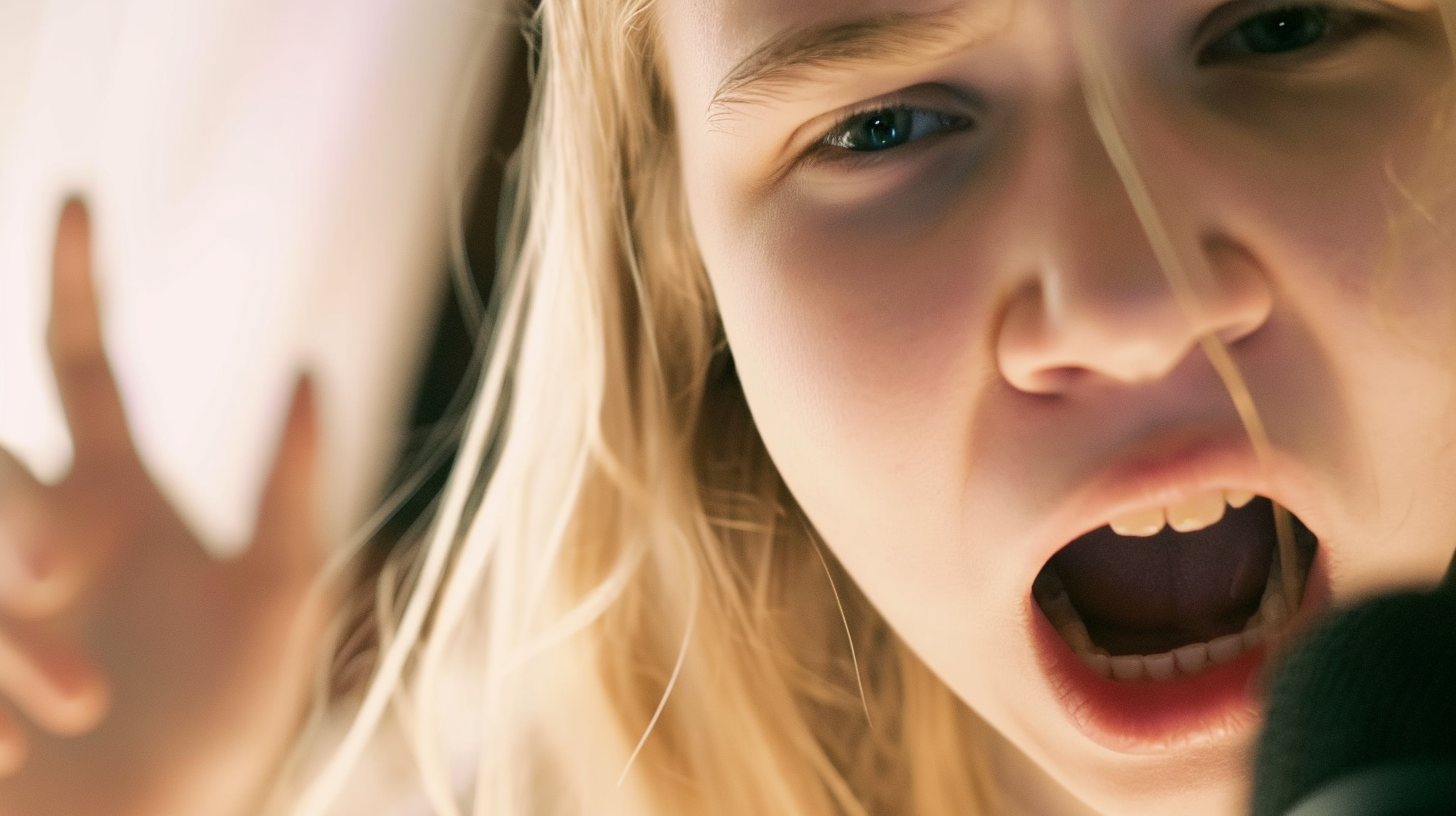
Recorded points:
16,574
83,696
14,747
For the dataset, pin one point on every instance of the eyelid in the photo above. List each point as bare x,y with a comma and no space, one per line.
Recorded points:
953,103
1221,21
844,116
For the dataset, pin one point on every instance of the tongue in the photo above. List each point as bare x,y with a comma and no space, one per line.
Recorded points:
1145,595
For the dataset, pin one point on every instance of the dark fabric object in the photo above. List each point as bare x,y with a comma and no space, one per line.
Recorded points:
1374,685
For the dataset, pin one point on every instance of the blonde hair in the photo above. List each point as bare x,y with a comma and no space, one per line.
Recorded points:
648,622
614,530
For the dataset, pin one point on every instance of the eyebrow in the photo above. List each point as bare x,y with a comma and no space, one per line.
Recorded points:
793,57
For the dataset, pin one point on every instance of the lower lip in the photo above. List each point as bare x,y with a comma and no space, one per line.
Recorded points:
1154,716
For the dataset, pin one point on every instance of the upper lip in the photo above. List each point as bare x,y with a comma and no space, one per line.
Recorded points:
1173,468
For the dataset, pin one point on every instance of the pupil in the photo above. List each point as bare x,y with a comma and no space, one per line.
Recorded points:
1285,30
883,129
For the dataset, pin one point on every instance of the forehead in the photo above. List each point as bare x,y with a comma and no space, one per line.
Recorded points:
723,31
713,43
732,28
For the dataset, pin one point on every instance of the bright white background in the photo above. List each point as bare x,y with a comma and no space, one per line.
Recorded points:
269,182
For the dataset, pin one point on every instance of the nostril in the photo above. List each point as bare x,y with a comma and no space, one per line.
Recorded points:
1116,335
1059,379
1051,381
1073,325
1025,352
1241,299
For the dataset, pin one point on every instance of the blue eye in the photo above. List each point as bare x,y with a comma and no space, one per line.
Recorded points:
890,127
1283,30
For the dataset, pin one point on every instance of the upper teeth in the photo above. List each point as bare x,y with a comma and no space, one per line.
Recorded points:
1193,513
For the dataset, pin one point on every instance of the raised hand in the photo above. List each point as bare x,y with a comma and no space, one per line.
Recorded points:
139,675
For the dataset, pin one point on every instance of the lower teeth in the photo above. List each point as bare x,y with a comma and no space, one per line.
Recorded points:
1192,659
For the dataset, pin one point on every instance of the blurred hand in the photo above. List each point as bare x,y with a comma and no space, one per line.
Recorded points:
138,675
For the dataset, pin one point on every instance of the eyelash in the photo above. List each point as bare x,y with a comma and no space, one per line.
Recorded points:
833,145
1233,45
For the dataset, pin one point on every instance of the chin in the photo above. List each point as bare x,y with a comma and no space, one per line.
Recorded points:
1209,781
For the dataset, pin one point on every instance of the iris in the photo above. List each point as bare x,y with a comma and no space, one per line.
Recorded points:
890,127
1287,29
878,130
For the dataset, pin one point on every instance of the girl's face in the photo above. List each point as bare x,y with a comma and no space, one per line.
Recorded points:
964,357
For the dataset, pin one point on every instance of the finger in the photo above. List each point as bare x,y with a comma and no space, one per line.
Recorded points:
46,554
56,685
20,510
14,744
24,523
83,375
288,544
39,581
16,479
21,517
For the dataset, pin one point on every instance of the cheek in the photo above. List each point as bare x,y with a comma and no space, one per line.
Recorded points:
1401,393
860,346
844,330
1367,295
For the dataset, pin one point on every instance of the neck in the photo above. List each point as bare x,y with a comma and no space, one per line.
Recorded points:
1024,788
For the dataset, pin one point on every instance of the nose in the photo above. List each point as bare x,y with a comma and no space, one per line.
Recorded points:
1093,303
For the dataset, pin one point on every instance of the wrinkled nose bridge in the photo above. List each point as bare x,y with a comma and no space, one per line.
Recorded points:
1092,243
1094,299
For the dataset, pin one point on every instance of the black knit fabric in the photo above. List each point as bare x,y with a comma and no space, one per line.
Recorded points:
1375,684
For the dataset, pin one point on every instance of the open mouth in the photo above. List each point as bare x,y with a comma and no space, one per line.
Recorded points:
1173,592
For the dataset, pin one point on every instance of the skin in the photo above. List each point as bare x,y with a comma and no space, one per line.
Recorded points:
943,346
139,675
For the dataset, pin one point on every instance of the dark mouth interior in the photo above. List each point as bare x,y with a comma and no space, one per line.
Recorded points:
1151,595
